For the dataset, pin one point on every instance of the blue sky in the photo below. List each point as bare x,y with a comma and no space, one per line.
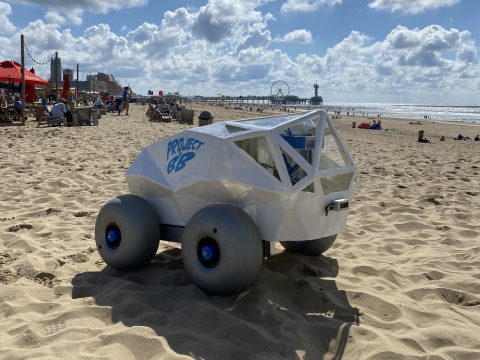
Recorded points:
403,51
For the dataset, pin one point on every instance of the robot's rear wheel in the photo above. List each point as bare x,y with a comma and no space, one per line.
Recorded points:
310,247
127,232
222,249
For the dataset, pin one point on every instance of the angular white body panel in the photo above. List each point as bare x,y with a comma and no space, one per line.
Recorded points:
283,171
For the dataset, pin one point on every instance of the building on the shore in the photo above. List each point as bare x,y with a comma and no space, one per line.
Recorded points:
101,82
56,69
96,84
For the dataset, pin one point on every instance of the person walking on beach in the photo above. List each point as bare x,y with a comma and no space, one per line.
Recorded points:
125,104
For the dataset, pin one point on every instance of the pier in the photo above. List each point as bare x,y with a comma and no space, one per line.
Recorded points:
253,100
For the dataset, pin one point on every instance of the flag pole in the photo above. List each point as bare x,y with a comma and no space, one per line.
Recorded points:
77,95
56,76
22,45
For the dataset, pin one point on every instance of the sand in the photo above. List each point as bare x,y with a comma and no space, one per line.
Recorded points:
401,282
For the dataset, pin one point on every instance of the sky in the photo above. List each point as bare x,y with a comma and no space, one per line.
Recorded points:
370,51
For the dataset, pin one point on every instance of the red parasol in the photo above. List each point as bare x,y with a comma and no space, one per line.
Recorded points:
66,85
10,71
30,93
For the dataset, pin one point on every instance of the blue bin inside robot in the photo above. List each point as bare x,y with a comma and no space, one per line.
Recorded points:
300,142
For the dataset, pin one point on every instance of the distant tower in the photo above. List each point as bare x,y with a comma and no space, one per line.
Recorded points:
316,100
56,68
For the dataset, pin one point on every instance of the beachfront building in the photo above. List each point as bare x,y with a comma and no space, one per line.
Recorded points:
56,69
101,82
96,84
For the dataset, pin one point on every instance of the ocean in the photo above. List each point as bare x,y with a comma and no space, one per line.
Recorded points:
467,114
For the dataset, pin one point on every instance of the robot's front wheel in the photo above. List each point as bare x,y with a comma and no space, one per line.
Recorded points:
127,232
222,249
310,247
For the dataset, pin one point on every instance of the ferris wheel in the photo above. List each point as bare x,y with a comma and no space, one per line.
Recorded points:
279,89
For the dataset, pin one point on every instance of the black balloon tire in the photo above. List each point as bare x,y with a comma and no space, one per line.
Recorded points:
139,228
310,247
239,244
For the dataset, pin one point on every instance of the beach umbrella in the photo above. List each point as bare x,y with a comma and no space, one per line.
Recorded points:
11,71
66,85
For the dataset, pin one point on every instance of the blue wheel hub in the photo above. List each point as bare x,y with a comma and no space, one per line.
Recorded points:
113,236
208,252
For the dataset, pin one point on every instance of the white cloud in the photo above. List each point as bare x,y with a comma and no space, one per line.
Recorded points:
73,17
178,53
102,6
409,6
221,19
5,24
307,5
255,39
428,62
71,12
300,36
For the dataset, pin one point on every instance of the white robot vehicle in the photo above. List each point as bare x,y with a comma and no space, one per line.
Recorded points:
227,192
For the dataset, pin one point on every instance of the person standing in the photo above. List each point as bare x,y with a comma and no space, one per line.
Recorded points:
118,105
125,100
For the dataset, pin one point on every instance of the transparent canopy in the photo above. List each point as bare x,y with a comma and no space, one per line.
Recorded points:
302,137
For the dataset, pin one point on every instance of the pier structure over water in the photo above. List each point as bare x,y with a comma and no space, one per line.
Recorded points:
253,100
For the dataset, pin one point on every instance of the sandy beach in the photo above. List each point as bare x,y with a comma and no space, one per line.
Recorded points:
401,282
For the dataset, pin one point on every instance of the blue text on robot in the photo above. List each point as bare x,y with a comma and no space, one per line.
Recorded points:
181,151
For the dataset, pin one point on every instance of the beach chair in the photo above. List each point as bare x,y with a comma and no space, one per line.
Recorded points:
175,114
43,118
157,116
15,114
82,116
186,117
5,114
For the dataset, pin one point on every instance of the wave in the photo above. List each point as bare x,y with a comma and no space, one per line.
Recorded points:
470,114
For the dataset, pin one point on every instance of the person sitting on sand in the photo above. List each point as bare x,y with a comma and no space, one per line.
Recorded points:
376,125
150,110
160,113
18,104
58,110
162,106
3,102
3,105
477,138
421,139
364,125
461,137
99,103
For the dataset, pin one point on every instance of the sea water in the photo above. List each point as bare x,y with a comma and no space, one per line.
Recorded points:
468,114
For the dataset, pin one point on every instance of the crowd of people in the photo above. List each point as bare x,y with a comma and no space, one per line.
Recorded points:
163,109
10,107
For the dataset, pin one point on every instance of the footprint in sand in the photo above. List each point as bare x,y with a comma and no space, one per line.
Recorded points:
83,213
47,279
433,201
459,298
18,227
51,211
